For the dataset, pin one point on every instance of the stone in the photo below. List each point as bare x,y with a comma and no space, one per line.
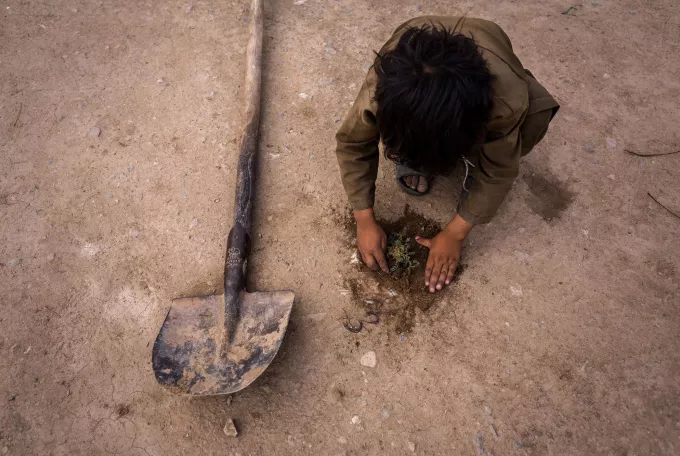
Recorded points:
412,447
369,359
342,440
611,143
494,431
384,414
305,96
356,420
95,132
210,95
299,2
479,443
230,428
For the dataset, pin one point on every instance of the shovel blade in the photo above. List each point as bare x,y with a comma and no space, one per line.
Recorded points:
186,358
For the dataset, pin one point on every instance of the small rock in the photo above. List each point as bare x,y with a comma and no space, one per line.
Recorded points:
384,414
210,95
516,290
354,259
611,143
13,397
5,450
134,233
194,224
521,256
95,132
494,431
516,444
188,7
229,399
369,359
299,2
356,420
479,443
342,440
217,200
15,261
329,49
230,428
161,81
51,257
270,218
589,148
488,410
305,96
611,177
412,447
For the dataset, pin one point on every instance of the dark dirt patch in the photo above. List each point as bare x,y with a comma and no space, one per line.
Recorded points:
549,197
393,298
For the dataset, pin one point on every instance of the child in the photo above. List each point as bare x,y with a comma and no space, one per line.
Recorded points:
441,90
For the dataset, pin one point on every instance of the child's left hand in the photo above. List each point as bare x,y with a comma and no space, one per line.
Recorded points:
444,253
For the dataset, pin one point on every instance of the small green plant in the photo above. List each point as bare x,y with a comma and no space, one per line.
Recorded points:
400,253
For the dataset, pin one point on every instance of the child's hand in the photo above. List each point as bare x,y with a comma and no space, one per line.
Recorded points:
371,240
444,253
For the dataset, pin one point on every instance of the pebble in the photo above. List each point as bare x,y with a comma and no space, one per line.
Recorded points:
95,132
194,224
611,177
494,431
516,290
329,49
384,414
5,450
356,420
589,148
412,447
488,410
611,143
342,440
479,443
230,428
516,444
210,95
270,218
188,7
15,261
369,359
299,2
229,399
354,259
305,96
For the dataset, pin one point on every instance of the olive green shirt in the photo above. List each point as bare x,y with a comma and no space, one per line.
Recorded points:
497,161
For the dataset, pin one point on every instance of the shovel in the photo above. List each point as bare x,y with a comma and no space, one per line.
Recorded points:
220,344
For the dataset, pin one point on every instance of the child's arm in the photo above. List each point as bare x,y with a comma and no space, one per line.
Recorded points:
357,151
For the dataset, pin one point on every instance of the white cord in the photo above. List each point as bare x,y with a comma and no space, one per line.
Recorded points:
468,164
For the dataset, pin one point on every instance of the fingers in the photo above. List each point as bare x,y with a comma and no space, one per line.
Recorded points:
452,272
442,276
375,260
369,260
382,262
434,276
424,242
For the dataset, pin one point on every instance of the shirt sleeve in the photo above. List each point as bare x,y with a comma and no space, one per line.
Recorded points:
495,172
357,151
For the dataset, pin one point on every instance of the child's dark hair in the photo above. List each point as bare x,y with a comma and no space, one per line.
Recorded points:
434,98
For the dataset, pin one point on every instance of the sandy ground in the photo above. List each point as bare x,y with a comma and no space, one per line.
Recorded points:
118,133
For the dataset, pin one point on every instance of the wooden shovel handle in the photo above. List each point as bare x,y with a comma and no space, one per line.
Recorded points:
238,243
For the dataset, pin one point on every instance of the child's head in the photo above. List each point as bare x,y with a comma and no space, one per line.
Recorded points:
434,98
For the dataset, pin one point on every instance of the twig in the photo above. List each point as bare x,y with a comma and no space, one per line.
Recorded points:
632,152
659,203
21,107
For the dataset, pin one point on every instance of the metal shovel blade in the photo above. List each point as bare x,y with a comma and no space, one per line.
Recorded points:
186,358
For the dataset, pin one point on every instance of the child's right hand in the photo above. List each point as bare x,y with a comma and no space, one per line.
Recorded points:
371,240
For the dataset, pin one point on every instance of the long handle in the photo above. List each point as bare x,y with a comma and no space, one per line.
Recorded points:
238,242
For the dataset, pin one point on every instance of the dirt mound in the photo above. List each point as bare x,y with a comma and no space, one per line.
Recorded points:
392,298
